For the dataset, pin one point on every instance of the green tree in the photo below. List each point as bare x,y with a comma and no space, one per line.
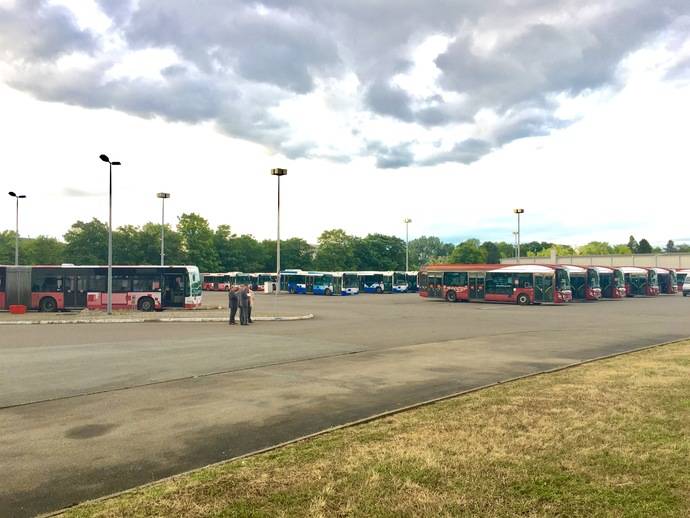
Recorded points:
7,242
295,253
43,250
506,249
127,247
595,248
246,255
426,249
670,246
150,245
87,243
197,242
468,252
632,244
644,247
621,249
335,251
683,248
491,252
222,241
380,252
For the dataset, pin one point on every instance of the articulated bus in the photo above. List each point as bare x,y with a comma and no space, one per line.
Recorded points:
335,283
519,284
612,282
385,282
146,288
667,280
640,281
584,282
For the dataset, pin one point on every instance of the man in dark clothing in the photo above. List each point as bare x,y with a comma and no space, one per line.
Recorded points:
233,302
244,305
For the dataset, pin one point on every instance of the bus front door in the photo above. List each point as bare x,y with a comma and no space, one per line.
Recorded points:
74,290
543,288
476,285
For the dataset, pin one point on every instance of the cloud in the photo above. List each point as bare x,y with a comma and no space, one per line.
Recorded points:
35,31
239,62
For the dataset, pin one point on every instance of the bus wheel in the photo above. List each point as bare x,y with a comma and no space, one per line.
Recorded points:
451,296
47,305
146,304
327,292
523,299
379,290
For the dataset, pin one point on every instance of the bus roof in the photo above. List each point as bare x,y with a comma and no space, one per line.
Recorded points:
459,267
632,269
527,268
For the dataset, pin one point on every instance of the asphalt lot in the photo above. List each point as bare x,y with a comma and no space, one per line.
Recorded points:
86,410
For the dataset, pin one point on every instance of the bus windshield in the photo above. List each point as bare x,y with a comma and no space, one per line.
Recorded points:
562,279
620,279
593,278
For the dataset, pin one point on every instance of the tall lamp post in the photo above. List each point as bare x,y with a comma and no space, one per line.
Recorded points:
16,233
278,172
163,196
518,212
110,232
407,222
515,240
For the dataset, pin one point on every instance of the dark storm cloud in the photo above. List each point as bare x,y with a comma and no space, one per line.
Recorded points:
35,31
240,60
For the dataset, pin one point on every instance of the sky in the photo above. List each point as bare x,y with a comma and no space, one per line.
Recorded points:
450,113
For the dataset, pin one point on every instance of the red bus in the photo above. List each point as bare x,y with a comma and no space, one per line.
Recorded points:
584,282
519,284
612,282
225,281
144,288
640,281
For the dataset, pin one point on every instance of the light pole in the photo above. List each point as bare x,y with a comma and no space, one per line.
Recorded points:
515,240
16,233
518,212
110,232
163,196
278,172
407,222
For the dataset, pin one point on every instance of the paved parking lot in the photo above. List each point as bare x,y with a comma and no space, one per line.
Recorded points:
86,410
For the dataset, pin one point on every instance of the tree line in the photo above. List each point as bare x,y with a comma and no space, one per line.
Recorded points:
193,241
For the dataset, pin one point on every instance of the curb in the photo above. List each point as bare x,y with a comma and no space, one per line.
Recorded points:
364,420
145,320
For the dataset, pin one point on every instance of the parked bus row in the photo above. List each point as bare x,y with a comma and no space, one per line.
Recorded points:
317,283
347,283
536,284
144,288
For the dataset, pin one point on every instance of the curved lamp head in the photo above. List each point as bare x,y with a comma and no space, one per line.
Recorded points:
105,158
12,193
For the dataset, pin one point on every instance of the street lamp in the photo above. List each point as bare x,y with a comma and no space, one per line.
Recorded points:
518,212
16,233
110,232
407,222
515,240
278,172
163,196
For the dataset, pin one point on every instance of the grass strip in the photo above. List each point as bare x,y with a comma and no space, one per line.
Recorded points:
610,438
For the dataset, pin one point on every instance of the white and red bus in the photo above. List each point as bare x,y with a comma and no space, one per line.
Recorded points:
666,278
612,282
225,281
680,278
519,284
144,288
584,282
258,280
640,281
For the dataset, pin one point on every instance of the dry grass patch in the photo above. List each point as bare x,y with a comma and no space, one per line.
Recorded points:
610,438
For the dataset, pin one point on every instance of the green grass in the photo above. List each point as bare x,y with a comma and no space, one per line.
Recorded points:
611,438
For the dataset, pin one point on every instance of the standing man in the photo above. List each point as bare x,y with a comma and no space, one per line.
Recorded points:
244,305
250,306
233,302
